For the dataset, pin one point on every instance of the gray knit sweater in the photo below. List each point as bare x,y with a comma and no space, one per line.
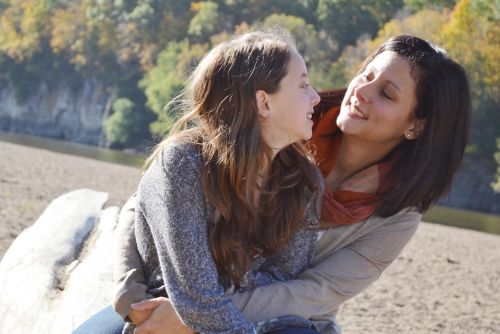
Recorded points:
171,227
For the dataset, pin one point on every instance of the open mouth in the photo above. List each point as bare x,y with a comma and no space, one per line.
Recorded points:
355,111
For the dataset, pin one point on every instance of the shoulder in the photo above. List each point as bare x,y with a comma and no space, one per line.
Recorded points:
177,161
177,153
403,224
407,216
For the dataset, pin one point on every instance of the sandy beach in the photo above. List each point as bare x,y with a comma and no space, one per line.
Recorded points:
447,280
31,178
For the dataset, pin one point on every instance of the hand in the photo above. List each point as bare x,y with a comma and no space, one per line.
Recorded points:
163,319
139,316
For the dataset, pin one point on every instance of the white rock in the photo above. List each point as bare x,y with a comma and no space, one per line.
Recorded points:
59,270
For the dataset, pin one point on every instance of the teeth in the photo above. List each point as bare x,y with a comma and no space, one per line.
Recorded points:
357,112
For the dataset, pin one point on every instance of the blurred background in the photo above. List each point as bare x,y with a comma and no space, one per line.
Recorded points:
100,72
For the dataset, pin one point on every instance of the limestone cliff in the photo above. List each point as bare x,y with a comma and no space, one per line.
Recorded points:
59,112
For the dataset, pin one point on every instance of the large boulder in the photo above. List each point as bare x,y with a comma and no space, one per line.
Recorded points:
59,271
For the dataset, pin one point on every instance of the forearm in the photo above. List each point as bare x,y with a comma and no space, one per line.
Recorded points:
341,273
129,279
315,292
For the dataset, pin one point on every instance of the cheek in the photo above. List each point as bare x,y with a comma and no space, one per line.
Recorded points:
341,119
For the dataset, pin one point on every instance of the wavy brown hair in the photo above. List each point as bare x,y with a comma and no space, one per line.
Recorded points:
426,165
252,217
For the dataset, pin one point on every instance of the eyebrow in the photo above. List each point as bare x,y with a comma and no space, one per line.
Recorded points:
392,83
303,75
370,67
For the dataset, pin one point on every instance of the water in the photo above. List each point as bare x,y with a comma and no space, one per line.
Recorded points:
66,147
471,220
440,215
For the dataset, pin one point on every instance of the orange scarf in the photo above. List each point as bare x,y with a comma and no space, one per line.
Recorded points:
359,196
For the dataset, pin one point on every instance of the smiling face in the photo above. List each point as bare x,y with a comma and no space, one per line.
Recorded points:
379,103
286,114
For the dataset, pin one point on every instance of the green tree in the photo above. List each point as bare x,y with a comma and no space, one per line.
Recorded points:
315,50
236,12
124,125
347,20
167,78
417,5
425,24
496,185
206,21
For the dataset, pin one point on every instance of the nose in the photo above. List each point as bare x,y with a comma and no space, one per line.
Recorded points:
314,98
362,92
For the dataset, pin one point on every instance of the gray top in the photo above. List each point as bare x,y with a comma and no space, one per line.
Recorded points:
171,228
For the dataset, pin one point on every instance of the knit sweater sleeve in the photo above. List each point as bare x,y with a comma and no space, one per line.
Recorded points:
172,210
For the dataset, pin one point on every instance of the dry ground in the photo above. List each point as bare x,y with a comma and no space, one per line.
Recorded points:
446,281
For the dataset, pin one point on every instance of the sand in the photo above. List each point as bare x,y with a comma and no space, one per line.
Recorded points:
447,280
31,178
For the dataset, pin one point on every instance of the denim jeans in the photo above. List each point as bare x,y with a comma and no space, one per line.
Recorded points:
295,330
107,321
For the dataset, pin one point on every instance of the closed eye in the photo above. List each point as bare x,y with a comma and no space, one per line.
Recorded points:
384,94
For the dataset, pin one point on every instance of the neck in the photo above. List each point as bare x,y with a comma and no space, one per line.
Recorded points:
356,155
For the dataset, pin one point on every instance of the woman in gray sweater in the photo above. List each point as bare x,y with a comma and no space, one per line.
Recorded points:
230,200
388,147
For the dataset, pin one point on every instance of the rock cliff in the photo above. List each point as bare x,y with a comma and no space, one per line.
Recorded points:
59,112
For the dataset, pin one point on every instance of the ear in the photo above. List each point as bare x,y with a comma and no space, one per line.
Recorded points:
262,104
415,130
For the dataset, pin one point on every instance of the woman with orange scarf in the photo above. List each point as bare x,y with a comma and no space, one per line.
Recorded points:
388,148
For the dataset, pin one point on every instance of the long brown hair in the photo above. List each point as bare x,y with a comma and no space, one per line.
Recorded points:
426,165
222,118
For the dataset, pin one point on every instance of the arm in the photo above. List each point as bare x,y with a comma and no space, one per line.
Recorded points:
129,278
172,210
298,253
339,275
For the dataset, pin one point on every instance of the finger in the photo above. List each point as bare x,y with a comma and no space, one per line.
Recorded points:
147,304
148,327
140,331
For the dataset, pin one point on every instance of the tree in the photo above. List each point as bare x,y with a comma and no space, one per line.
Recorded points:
496,185
315,50
164,81
23,26
425,24
206,21
124,124
417,5
472,37
347,20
